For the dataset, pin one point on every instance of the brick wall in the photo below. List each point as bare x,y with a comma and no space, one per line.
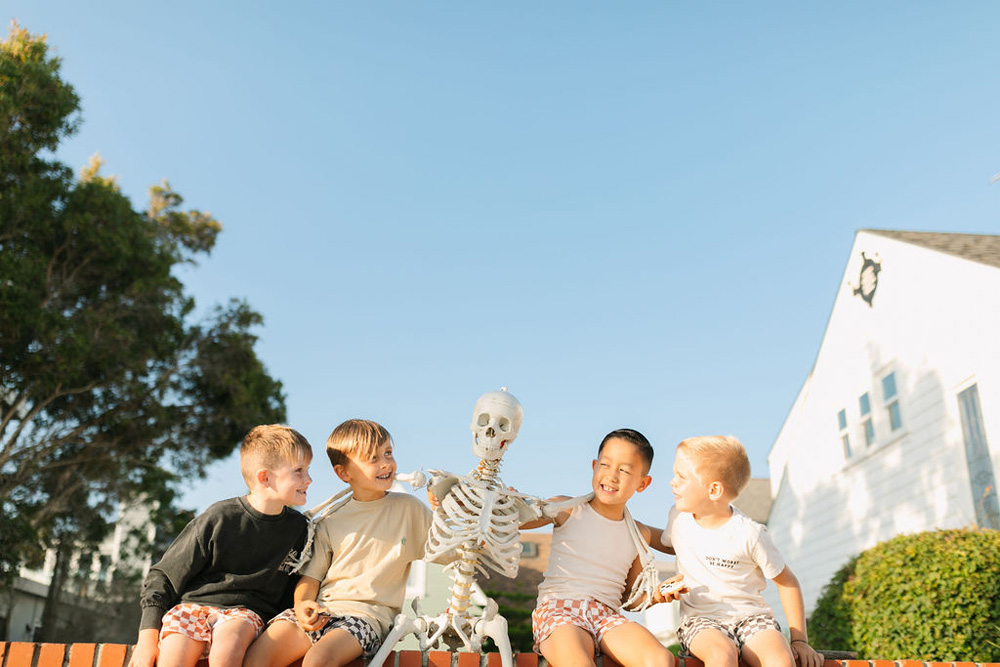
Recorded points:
25,654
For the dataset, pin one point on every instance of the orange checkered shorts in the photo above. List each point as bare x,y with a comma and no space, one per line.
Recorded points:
595,617
197,621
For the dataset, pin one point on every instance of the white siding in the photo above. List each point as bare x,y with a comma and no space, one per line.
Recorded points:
934,323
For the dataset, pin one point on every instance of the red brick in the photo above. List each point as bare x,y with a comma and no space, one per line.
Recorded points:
51,655
20,654
410,659
467,659
493,660
439,659
3,651
82,655
112,655
526,660
880,663
909,663
390,660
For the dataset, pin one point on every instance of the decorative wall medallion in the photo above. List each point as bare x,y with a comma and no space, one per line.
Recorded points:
868,279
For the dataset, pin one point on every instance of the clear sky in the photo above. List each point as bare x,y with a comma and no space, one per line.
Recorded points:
629,213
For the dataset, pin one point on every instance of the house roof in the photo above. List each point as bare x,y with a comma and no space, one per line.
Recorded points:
755,499
982,248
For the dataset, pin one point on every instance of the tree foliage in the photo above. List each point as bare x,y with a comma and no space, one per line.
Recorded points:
109,386
932,596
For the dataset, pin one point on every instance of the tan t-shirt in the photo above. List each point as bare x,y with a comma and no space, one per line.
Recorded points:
362,555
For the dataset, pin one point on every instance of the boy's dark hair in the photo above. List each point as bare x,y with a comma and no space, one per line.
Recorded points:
637,439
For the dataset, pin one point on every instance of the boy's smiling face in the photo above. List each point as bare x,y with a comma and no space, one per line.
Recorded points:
619,472
691,492
290,480
370,478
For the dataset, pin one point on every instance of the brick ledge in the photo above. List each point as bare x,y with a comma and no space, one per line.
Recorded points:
28,654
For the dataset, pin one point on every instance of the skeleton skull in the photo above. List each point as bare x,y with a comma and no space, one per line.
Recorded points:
496,419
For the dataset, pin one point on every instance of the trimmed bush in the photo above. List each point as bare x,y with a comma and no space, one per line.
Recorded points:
932,596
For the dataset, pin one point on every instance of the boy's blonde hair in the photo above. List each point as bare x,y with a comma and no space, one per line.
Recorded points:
358,438
269,446
720,458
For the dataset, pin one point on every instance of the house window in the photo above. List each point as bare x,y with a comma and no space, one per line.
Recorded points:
865,407
891,398
845,437
977,458
529,549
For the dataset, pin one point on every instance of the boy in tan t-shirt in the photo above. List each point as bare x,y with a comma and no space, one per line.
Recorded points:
354,584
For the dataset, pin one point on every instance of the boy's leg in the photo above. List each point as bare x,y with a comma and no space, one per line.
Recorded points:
715,648
281,643
230,640
177,650
767,647
568,645
632,645
335,649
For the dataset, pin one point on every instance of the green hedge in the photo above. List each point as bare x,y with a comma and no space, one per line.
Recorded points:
931,596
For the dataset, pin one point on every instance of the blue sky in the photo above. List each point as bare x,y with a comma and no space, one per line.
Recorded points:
630,214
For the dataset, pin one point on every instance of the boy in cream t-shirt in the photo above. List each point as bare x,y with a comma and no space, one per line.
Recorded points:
354,584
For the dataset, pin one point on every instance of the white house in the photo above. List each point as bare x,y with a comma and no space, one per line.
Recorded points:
897,426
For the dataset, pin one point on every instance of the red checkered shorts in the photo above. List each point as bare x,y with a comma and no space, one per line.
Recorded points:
595,617
197,621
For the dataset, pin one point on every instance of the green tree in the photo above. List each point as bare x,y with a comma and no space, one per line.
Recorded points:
108,386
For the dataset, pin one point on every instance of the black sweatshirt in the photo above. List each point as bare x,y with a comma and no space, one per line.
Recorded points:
231,555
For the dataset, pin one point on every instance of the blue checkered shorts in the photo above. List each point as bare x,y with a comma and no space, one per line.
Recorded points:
738,630
359,628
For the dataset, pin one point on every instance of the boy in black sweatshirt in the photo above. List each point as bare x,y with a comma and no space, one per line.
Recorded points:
229,571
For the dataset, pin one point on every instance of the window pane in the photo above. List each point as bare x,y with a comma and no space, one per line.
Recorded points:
895,420
889,386
865,404
869,432
846,441
842,419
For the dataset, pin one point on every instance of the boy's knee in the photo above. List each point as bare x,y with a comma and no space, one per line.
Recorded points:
658,658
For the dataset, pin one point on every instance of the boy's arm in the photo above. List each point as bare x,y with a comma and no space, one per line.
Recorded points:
307,608
652,536
559,519
790,594
147,649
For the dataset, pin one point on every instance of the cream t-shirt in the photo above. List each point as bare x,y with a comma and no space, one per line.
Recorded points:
590,558
362,555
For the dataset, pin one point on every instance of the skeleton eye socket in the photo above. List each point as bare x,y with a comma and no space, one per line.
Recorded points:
504,424
484,419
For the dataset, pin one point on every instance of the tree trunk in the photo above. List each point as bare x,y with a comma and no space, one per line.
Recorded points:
50,614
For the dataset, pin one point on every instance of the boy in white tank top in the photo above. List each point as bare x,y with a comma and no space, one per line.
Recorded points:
592,559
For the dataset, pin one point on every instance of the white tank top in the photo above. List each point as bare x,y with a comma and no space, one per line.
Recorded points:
590,558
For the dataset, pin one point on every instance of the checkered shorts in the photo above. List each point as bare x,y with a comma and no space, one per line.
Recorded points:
197,621
595,617
359,628
738,630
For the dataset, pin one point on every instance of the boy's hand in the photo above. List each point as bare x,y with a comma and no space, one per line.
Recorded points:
670,589
806,655
147,649
432,500
310,615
